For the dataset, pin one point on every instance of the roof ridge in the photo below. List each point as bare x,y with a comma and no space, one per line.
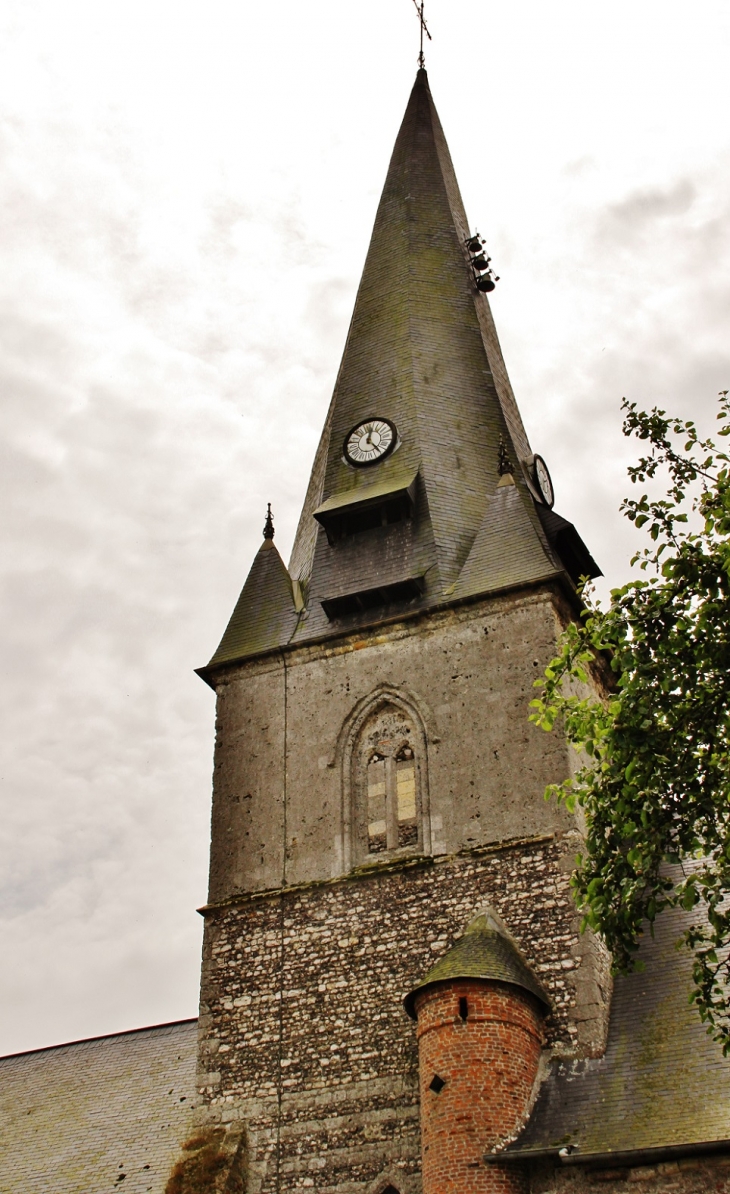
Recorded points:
105,1036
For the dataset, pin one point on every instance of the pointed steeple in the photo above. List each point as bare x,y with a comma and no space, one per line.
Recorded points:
422,352
437,501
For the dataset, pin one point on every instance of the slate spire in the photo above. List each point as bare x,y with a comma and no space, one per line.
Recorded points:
438,518
422,351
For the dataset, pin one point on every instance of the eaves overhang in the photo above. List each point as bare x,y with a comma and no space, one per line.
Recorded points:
369,495
555,580
618,1158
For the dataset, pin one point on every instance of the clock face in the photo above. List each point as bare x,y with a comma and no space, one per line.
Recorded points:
543,481
370,442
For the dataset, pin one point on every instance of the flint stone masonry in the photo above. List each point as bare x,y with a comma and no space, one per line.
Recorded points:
303,1034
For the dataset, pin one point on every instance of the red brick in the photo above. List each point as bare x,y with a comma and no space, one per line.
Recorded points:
489,1064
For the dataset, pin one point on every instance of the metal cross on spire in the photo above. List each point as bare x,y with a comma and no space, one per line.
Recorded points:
424,29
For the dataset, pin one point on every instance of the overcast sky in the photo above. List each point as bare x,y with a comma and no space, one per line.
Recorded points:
187,192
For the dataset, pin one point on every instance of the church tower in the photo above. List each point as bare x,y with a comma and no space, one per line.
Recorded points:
379,832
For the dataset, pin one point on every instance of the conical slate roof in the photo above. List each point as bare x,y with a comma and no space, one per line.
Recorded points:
487,952
490,568
421,352
265,616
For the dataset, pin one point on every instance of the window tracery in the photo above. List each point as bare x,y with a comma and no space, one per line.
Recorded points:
389,782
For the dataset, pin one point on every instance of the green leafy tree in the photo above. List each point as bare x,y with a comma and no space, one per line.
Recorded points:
655,785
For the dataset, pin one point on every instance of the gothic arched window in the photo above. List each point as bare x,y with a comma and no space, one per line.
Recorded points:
388,770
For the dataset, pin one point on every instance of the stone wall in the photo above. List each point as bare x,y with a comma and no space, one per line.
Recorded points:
283,803
303,1032
312,940
685,1175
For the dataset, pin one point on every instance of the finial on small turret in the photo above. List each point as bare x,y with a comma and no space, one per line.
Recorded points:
505,465
269,524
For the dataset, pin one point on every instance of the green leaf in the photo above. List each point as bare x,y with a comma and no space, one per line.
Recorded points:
655,784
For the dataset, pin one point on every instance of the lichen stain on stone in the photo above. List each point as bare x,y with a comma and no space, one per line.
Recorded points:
207,1167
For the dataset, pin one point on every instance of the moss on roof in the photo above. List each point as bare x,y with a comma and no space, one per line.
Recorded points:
385,486
98,1115
487,952
661,1082
264,617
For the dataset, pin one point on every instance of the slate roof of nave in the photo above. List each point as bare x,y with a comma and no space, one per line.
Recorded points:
74,1118
662,1081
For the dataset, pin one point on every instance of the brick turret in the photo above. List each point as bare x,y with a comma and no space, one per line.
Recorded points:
479,1013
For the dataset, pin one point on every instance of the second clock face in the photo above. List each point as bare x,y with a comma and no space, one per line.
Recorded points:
544,483
370,442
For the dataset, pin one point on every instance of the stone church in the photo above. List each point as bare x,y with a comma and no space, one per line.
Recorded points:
396,995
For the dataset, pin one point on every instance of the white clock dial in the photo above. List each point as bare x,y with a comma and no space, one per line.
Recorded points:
370,442
543,481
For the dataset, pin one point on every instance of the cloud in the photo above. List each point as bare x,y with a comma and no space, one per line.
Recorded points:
183,219
650,204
